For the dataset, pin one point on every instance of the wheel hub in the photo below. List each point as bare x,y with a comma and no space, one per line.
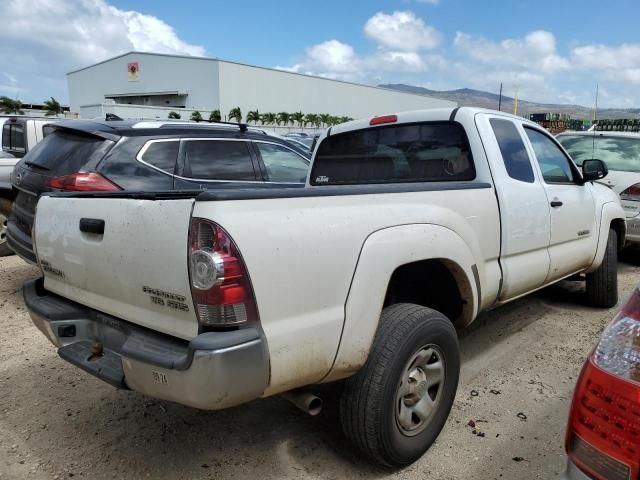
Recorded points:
419,391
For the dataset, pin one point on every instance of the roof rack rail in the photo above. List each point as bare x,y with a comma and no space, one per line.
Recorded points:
243,126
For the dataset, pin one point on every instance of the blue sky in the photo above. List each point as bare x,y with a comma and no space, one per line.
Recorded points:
555,52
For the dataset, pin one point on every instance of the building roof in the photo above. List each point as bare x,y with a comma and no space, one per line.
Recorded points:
215,59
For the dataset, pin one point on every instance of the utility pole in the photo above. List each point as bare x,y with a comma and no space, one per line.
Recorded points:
500,99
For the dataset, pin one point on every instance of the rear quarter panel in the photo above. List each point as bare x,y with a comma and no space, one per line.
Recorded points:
302,253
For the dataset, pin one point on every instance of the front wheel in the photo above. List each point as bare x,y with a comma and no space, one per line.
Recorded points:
396,405
602,285
4,247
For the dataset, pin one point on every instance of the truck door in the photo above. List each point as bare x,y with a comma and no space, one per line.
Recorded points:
573,229
524,209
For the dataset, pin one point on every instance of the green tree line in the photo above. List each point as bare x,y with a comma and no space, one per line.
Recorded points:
299,119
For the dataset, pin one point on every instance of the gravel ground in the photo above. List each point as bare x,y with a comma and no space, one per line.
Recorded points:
57,422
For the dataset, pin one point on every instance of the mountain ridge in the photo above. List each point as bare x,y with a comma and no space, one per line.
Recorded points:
479,98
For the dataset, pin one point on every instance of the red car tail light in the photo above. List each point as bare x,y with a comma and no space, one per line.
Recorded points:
83,182
632,193
220,284
603,436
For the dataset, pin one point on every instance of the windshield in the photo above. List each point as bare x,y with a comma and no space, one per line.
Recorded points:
619,153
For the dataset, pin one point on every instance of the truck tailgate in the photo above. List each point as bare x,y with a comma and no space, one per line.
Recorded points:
136,270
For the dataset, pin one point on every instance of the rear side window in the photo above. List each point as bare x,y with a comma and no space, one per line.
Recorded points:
514,154
65,152
218,160
162,155
420,152
13,138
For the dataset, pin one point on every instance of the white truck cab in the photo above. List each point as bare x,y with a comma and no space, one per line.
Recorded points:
410,225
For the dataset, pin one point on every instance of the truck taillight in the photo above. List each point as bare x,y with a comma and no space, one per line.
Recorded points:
603,436
632,193
220,285
83,182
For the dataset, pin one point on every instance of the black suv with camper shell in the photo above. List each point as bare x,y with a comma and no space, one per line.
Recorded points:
144,156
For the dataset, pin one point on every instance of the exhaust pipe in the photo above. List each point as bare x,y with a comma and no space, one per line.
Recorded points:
305,401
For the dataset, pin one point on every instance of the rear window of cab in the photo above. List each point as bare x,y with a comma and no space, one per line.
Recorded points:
403,153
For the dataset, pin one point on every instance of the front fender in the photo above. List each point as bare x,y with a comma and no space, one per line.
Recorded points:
610,211
382,253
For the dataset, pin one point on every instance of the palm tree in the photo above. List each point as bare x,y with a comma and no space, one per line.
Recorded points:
196,116
236,114
345,119
53,107
174,115
215,116
283,117
333,120
268,118
311,119
253,116
325,118
8,105
298,117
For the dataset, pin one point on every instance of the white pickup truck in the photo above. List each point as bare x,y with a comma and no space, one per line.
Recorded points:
410,225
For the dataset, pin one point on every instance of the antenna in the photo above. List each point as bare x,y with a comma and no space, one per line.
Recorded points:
500,99
595,123
515,101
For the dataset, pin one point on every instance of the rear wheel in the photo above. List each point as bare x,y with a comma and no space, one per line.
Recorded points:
602,285
396,405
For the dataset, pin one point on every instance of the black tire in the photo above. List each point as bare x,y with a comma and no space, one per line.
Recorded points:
602,285
371,403
4,247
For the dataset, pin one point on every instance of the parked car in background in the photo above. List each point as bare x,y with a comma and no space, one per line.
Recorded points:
603,434
409,226
7,162
301,138
147,156
621,152
19,135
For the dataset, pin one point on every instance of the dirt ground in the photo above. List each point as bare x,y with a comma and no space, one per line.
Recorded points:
57,422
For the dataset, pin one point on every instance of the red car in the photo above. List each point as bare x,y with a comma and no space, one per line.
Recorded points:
603,435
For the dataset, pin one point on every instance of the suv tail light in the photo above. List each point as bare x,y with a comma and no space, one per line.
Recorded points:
603,436
632,193
84,182
220,285
383,119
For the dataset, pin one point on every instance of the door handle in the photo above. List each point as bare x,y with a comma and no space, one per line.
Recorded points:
92,225
556,203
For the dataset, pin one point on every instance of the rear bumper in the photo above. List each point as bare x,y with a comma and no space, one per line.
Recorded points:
574,473
215,370
633,230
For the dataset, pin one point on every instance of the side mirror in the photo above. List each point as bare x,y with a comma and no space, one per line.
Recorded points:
594,170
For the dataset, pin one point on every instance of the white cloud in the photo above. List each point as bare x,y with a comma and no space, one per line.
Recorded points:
617,63
401,31
47,38
430,2
536,51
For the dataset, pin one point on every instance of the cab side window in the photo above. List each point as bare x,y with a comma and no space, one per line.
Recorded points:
514,154
554,164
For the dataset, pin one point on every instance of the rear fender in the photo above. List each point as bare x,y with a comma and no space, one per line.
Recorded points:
382,253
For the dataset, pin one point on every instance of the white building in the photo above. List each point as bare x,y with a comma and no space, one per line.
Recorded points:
150,85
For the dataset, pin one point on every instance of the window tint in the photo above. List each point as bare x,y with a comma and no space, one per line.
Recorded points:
281,164
63,152
553,162
47,130
17,138
619,153
425,152
13,137
218,160
162,155
514,154
6,132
